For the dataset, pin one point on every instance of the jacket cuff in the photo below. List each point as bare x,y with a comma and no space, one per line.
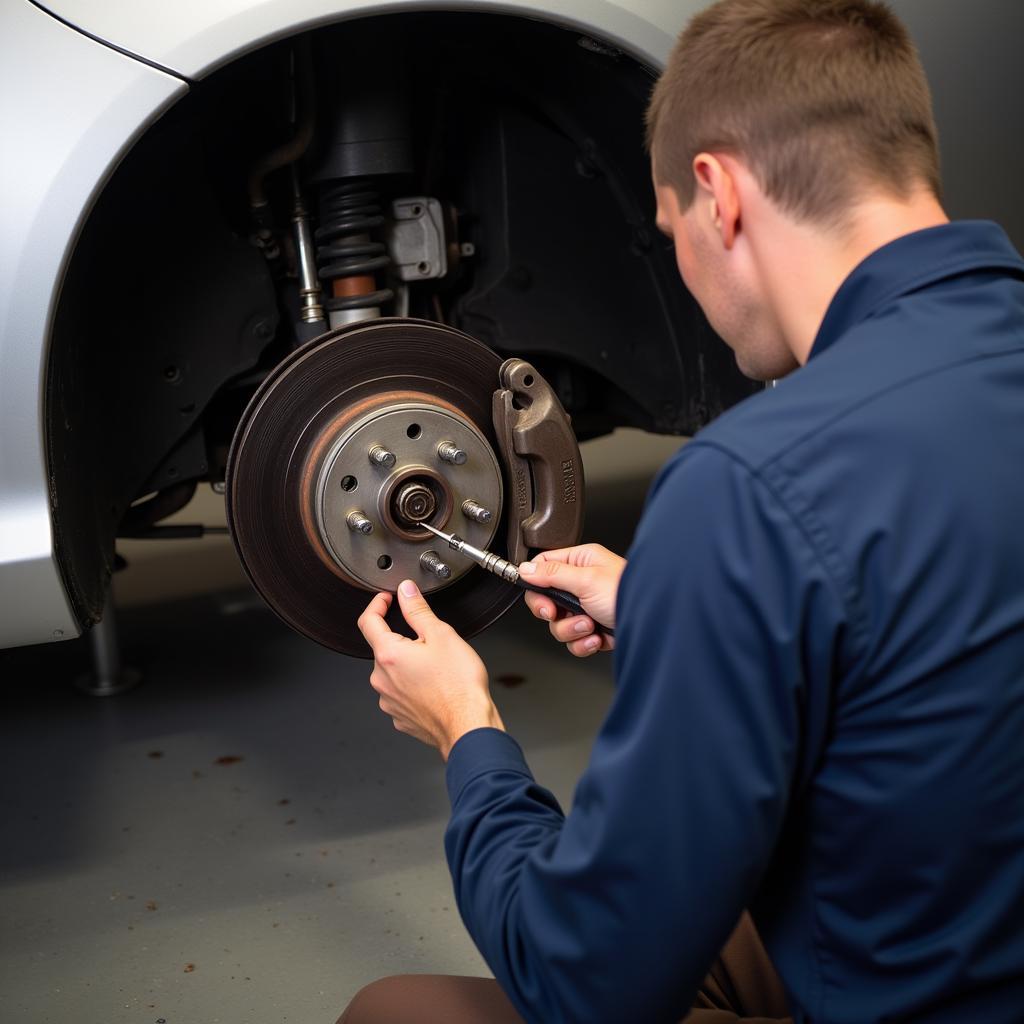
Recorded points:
478,752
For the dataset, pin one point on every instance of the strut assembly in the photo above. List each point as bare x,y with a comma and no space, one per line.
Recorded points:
349,256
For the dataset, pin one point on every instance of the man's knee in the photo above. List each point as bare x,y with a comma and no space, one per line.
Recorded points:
431,999
374,1002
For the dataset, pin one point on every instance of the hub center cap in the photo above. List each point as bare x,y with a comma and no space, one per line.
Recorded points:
414,503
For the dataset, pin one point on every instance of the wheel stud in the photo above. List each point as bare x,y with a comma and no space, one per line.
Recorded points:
450,452
380,456
430,561
358,523
476,512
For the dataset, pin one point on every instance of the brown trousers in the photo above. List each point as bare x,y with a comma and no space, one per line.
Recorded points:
741,987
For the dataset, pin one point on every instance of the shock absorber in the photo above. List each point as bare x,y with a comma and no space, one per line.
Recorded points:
348,255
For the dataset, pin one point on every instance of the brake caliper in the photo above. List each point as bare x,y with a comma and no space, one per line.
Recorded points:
541,459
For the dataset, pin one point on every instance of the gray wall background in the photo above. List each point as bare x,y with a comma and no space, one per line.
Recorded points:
972,51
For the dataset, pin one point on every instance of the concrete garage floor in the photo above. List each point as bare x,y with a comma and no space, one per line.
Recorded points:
245,838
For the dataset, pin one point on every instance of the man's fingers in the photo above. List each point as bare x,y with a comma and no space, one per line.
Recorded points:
573,630
415,609
371,623
581,555
543,572
575,627
587,646
542,607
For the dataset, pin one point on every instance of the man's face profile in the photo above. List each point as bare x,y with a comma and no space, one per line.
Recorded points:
724,280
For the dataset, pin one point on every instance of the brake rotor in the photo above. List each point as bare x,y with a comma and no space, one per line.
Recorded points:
350,445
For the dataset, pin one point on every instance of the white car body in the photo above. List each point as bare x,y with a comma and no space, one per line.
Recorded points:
83,80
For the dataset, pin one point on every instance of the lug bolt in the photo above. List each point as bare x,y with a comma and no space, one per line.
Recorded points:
380,456
431,562
476,512
358,523
449,451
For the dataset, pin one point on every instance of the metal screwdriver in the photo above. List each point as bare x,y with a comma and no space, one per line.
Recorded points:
504,569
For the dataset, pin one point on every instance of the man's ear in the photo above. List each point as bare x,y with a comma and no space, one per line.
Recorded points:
717,186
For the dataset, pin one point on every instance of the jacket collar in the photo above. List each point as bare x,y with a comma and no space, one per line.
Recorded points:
912,262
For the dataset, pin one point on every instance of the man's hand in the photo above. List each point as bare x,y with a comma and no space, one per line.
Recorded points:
434,687
592,573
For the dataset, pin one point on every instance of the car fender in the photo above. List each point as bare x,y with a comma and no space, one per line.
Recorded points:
70,109
194,37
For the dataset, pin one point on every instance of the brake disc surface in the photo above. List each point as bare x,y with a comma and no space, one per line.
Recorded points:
353,428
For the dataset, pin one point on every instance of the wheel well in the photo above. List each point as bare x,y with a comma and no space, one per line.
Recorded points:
530,133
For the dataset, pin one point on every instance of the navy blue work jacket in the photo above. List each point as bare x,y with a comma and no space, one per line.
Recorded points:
819,707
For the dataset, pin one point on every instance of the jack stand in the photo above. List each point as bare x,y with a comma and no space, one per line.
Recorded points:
108,676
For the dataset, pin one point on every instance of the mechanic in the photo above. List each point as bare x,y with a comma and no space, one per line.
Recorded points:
819,710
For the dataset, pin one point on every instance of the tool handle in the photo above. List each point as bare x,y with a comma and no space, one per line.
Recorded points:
570,602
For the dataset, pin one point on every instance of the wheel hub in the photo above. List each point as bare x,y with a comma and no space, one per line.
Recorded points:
396,496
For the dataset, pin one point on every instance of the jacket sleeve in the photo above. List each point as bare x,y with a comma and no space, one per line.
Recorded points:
726,618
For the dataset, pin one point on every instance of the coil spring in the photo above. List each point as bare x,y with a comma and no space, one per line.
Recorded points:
347,211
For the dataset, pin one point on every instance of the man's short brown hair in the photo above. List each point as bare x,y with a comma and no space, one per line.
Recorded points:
820,98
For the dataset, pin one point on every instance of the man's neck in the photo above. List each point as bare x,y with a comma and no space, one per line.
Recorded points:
816,261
